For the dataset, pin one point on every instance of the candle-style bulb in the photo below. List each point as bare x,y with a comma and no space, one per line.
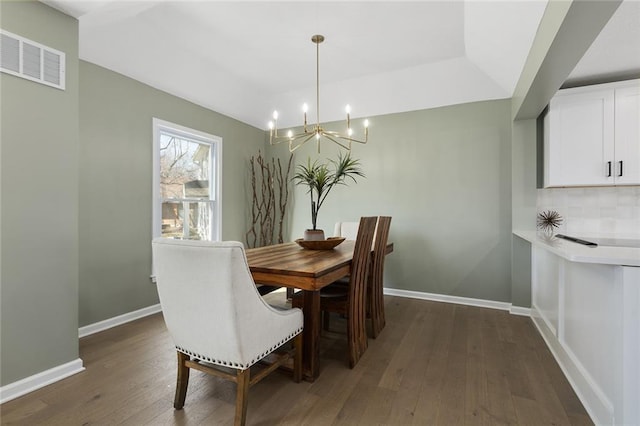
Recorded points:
366,123
350,131
348,109
305,108
275,115
289,134
271,125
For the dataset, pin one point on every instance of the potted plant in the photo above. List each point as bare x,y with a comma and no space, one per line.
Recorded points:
320,179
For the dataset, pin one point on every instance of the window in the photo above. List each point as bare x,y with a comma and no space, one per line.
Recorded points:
186,183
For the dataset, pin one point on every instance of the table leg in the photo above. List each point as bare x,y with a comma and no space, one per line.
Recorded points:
311,354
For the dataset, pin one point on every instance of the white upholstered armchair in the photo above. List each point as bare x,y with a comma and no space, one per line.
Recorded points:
216,316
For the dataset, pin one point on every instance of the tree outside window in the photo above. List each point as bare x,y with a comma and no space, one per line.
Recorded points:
187,180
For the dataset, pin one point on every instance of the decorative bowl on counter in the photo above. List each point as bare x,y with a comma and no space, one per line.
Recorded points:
327,244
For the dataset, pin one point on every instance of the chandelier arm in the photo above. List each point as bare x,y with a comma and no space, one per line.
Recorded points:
346,138
300,144
330,137
275,141
281,139
299,136
350,139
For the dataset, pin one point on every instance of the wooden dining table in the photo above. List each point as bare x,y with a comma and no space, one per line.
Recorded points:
289,265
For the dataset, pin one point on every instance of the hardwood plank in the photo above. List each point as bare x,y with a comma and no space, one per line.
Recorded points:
405,347
428,406
412,378
452,404
379,407
499,406
476,387
23,412
434,363
570,402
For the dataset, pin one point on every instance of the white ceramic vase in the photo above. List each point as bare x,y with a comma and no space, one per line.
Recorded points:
314,235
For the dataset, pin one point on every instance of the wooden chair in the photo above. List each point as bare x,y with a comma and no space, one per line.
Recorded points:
218,322
352,303
375,285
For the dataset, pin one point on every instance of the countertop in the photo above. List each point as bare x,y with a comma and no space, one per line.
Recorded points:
607,255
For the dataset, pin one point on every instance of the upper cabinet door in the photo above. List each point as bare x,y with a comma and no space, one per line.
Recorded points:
627,135
592,136
580,147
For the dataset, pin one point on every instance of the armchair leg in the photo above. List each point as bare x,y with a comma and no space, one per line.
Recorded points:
182,381
242,396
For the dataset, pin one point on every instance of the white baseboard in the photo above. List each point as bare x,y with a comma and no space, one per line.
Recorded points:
519,310
37,381
119,320
482,303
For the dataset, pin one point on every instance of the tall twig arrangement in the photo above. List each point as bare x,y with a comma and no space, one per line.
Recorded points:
270,193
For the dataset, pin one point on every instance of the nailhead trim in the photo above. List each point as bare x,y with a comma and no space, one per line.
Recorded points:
240,366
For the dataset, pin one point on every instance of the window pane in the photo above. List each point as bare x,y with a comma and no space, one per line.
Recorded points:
195,226
184,168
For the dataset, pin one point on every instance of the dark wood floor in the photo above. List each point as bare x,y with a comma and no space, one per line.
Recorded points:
434,363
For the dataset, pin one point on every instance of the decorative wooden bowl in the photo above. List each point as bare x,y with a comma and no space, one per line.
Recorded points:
327,244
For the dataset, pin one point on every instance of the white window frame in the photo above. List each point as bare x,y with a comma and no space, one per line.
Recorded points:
160,126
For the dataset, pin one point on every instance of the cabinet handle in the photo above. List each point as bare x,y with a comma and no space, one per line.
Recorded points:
609,168
620,168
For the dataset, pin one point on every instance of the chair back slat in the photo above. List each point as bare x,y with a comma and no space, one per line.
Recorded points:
358,289
376,275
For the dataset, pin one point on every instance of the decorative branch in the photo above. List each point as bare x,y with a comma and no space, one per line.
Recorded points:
264,210
267,204
251,235
283,195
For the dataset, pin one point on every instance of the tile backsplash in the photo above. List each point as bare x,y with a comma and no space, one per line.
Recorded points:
610,211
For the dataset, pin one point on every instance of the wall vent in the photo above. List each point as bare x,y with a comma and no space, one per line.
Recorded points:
27,59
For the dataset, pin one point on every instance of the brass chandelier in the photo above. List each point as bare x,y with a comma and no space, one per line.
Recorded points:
316,130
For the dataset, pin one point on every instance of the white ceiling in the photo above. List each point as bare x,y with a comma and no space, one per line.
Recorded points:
245,59
615,54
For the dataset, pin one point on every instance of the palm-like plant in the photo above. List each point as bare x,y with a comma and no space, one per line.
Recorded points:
321,179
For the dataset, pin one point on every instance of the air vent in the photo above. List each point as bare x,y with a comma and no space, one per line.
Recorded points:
27,59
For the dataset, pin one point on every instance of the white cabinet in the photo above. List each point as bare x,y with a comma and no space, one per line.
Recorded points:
588,315
592,136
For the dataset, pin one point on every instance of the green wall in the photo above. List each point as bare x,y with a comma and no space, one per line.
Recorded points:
444,176
116,154
523,212
39,227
